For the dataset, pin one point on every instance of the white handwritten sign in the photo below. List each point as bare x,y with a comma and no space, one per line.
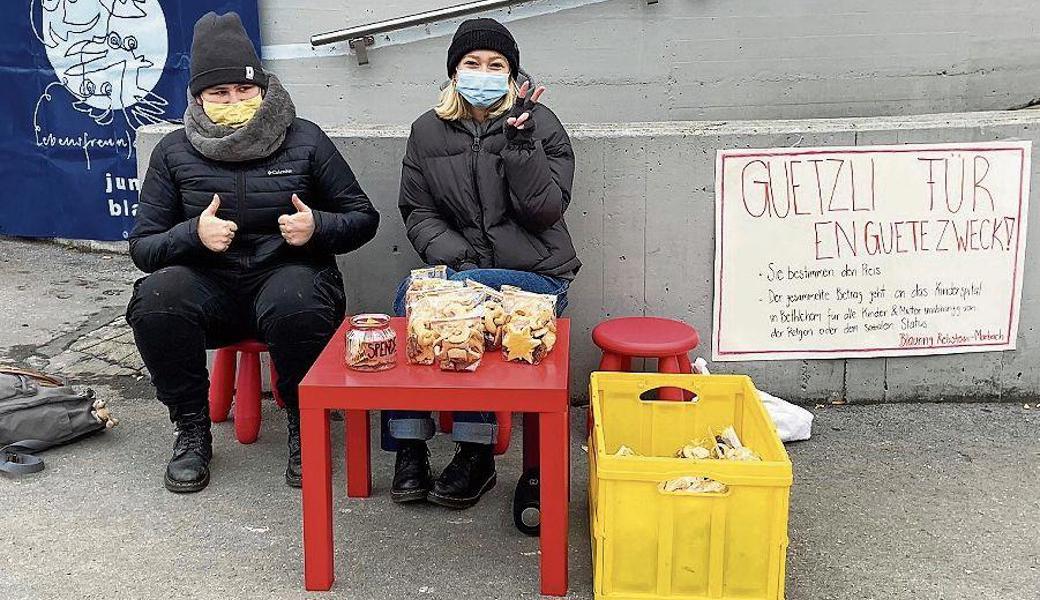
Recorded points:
869,251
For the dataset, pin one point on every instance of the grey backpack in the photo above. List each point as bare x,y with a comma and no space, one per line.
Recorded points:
39,411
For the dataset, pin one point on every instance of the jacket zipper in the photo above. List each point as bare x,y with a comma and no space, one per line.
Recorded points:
240,191
480,203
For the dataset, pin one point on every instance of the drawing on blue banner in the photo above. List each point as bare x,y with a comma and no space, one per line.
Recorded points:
78,78
104,54
104,61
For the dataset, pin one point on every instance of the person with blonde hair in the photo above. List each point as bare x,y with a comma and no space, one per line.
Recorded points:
485,183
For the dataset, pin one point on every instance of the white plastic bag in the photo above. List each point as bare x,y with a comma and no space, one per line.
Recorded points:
793,423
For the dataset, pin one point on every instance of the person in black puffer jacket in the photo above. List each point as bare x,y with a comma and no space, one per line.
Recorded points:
241,215
485,183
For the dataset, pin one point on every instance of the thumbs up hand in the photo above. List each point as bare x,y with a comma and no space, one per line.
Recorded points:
297,228
215,233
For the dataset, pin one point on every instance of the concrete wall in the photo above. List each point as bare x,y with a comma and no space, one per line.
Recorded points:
625,61
642,217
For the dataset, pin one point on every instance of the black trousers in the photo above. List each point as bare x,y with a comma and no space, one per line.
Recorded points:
178,312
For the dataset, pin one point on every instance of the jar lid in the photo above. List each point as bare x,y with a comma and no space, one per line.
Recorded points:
370,321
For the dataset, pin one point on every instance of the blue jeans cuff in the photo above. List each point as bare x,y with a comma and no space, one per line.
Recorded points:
411,429
474,433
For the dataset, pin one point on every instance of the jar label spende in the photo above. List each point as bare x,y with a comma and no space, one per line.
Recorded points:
371,343
380,349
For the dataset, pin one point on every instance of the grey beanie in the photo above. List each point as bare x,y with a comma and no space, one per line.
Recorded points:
221,52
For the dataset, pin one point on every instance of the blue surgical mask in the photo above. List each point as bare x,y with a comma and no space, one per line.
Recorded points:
482,89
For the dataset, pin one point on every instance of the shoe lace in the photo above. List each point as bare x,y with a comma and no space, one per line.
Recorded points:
190,436
462,463
294,434
294,445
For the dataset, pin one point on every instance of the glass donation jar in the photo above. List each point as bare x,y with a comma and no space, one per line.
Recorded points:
371,343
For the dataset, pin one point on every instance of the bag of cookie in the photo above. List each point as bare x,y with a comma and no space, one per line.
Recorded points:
423,280
430,306
530,330
452,301
418,276
421,340
494,315
460,341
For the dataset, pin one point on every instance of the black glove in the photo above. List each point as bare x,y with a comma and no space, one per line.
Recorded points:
521,106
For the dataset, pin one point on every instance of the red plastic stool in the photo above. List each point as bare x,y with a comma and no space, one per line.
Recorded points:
243,384
505,428
670,341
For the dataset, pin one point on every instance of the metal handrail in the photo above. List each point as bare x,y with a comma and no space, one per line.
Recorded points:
360,37
423,18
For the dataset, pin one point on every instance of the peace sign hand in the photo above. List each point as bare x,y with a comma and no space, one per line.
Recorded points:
520,124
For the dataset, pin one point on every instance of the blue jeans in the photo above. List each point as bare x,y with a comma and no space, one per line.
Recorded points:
474,427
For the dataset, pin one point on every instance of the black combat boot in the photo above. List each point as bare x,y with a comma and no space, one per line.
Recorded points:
466,478
294,470
412,476
188,470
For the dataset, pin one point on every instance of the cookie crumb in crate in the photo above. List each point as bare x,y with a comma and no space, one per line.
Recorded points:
725,446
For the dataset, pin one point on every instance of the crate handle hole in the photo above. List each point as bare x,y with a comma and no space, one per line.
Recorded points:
665,393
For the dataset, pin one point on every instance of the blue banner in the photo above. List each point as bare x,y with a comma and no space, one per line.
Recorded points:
77,79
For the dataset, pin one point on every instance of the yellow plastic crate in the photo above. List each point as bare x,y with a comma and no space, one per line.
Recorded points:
647,543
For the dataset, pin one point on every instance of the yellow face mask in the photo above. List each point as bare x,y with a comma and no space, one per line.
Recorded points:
233,115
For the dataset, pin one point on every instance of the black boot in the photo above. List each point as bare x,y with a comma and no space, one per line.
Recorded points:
466,478
188,470
412,476
294,470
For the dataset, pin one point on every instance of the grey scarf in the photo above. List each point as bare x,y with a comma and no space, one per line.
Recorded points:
258,138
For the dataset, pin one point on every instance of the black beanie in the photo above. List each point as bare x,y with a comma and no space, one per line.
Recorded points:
483,34
221,52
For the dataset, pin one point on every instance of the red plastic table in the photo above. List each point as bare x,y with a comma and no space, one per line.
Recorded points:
495,386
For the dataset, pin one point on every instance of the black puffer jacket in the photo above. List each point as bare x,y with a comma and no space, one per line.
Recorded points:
181,182
470,201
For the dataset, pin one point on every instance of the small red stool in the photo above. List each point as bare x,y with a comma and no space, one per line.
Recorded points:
505,428
670,341
242,383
